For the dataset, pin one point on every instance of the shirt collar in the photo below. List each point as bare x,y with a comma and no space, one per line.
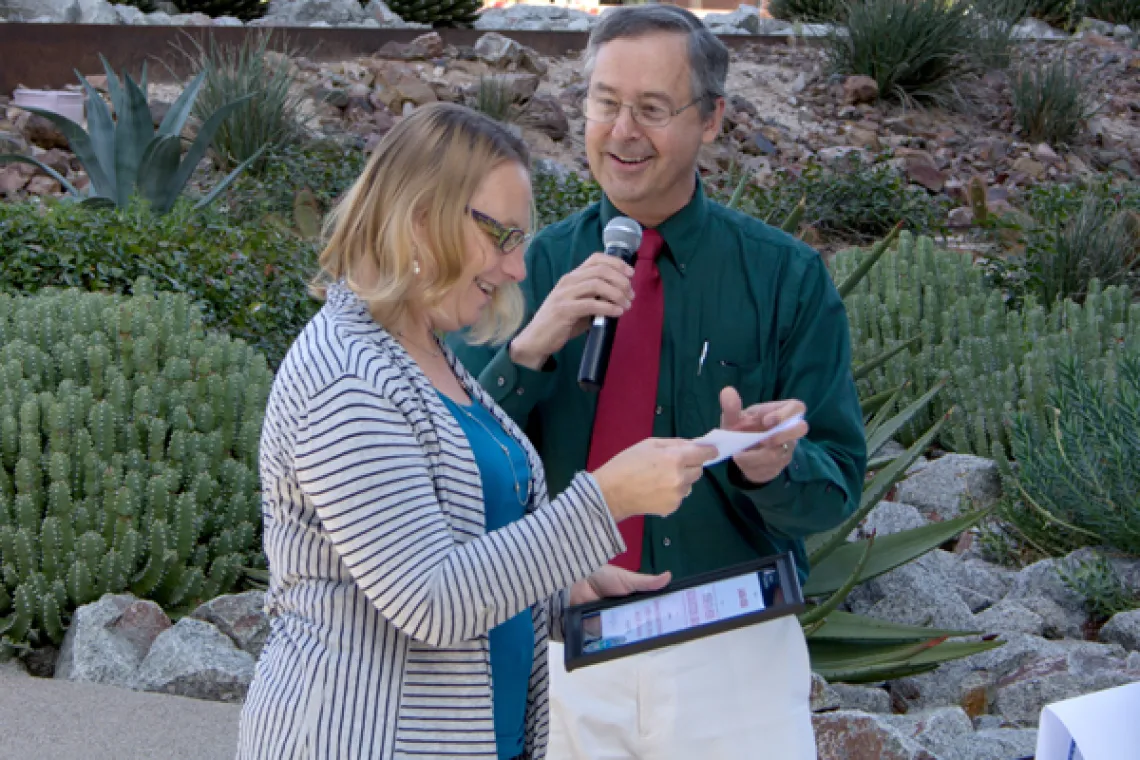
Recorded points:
682,231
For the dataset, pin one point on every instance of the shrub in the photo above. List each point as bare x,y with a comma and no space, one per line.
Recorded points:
1049,101
1058,13
1096,580
1077,478
557,197
128,444
913,49
1113,11
957,328
810,11
249,279
846,200
271,116
245,10
495,99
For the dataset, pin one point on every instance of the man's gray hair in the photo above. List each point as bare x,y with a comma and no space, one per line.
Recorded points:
708,56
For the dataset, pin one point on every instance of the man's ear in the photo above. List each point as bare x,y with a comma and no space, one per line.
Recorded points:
713,122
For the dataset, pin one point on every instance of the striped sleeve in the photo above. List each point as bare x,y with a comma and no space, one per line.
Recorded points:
358,459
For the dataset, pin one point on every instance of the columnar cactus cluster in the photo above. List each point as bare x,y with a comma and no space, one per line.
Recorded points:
128,455
999,360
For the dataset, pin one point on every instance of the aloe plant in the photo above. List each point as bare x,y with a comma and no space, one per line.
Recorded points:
853,648
125,156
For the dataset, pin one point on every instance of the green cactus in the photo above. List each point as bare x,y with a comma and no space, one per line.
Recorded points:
438,13
127,461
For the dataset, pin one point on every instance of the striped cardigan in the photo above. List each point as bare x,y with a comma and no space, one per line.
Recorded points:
383,580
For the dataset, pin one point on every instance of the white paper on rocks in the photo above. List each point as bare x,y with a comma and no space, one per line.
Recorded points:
1097,726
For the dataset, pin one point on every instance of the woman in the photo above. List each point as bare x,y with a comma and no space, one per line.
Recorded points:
417,566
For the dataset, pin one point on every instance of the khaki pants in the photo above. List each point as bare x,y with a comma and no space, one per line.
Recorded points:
740,695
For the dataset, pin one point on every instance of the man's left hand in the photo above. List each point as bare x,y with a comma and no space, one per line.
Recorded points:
615,581
766,460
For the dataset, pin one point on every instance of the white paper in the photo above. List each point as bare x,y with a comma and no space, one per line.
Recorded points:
669,613
731,442
1097,726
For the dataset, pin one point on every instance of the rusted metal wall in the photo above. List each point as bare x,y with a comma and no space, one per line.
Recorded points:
47,55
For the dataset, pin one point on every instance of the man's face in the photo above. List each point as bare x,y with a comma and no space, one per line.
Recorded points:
646,171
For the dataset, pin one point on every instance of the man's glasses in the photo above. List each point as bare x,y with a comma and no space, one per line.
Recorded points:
605,109
506,238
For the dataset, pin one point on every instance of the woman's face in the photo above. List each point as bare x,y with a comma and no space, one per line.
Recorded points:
495,242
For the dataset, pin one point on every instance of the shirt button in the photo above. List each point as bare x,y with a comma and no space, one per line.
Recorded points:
519,391
658,411
502,381
666,542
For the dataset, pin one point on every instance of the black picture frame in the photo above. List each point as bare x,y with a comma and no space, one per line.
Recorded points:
792,603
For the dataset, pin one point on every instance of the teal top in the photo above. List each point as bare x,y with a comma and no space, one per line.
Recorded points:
511,642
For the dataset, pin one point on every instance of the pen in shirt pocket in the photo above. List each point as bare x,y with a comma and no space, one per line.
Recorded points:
704,355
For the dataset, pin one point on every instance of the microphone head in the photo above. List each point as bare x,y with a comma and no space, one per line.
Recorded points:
622,232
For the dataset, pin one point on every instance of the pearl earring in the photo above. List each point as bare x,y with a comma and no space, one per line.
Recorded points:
415,267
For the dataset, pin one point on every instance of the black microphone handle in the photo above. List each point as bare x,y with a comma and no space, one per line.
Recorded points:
600,341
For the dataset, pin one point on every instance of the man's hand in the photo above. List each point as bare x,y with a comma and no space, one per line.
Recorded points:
600,286
766,460
615,581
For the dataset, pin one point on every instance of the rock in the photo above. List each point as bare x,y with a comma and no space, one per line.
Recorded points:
42,133
526,17
961,217
191,19
1036,29
938,489
242,617
52,11
312,12
940,730
860,89
195,659
97,12
43,186
1029,167
1121,30
379,10
1123,628
890,517
822,696
503,52
922,170
868,699
129,15
745,19
12,668
227,21
521,85
12,142
58,160
13,178
432,43
108,639
923,592
1010,617
853,735
1046,155
1095,26
1022,694
757,144
1000,743
544,114
1039,587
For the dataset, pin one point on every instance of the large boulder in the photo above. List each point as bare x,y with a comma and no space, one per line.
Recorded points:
108,639
195,659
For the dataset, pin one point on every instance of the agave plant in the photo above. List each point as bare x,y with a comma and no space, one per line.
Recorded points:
854,648
125,156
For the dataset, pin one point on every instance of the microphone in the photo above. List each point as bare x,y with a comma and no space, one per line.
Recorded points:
622,237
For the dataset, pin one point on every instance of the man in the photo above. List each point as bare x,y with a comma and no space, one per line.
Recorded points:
724,322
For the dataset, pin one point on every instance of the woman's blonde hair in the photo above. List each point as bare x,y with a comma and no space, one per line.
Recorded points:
426,168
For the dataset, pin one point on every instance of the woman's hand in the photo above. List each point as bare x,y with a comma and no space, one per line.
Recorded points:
615,581
652,477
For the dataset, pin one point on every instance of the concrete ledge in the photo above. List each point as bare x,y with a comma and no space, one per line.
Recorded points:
47,55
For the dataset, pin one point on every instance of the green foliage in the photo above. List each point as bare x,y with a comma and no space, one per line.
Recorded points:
1098,583
913,49
249,279
128,454
1077,476
1050,101
1112,11
495,98
125,156
246,10
809,11
846,200
557,197
271,116
958,329
1057,13
438,13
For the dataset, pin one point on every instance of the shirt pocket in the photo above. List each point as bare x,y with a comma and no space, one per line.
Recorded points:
700,397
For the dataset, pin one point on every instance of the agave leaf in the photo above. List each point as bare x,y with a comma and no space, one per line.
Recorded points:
849,627
101,130
838,670
133,137
885,431
81,145
879,463
225,182
14,158
738,193
114,88
873,257
178,180
176,117
882,415
875,403
871,365
815,617
890,552
873,493
158,163
828,653
792,223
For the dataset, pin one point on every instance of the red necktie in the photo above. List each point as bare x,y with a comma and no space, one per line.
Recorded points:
628,399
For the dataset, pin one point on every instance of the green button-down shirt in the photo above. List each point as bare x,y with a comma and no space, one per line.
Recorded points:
761,310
